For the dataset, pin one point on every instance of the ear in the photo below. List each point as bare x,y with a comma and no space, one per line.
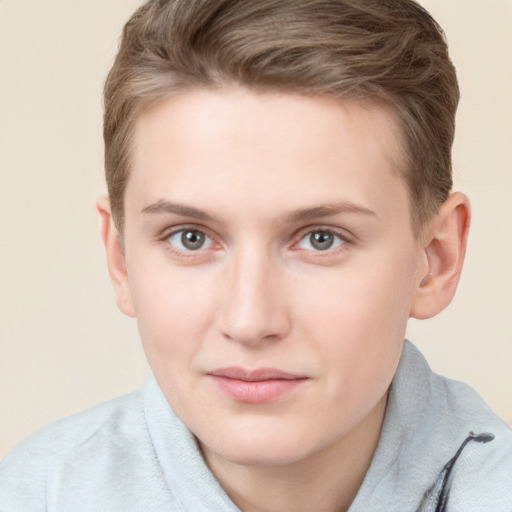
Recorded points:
444,251
115,257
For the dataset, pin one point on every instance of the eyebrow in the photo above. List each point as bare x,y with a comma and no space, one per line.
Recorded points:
163,206
302,214
326,211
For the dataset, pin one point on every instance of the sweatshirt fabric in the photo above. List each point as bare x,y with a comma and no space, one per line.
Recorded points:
441,449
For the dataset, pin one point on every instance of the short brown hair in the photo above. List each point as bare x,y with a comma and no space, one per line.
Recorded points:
391,51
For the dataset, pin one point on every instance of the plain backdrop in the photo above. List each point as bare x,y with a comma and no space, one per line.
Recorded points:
63,344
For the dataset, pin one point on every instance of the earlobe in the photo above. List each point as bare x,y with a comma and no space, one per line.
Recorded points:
115,257
444,252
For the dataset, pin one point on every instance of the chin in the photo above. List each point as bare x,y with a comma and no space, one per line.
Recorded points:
261,447
259,456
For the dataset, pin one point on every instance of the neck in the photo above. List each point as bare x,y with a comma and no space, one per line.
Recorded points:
326,481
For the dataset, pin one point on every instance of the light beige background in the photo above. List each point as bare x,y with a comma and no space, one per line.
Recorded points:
63,344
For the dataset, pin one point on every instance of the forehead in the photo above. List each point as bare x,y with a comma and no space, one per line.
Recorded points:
282,147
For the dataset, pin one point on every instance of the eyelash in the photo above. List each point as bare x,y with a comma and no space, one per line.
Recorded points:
184,229
309,231
343,238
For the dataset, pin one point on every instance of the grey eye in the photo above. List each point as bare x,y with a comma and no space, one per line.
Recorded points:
321,240
190,240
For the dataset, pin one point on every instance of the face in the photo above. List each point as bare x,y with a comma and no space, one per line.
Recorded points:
271,266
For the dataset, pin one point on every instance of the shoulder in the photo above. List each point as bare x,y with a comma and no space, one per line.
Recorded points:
454,419
428,420
435,400
27,473
482,474
64,435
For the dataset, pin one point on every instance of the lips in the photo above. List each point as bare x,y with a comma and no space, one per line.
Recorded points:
255,386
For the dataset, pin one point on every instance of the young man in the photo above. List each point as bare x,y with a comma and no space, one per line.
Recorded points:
279,205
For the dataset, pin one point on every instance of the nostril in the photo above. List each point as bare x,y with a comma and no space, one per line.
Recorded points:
267,332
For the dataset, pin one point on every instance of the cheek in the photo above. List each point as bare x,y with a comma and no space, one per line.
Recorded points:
174,308
367,297
356,320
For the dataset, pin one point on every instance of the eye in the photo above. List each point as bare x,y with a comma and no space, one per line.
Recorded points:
321,240
187,240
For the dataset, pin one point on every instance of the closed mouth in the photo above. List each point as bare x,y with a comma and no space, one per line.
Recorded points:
255,386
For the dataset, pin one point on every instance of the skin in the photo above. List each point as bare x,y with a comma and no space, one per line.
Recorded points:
257,174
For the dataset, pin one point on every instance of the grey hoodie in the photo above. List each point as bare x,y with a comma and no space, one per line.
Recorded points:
441,450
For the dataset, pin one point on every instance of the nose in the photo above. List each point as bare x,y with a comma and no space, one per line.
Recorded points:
253,308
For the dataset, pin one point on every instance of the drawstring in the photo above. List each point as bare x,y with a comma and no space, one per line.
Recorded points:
436,497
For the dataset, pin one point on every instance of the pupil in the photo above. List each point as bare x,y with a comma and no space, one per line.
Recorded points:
192,240
321,240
